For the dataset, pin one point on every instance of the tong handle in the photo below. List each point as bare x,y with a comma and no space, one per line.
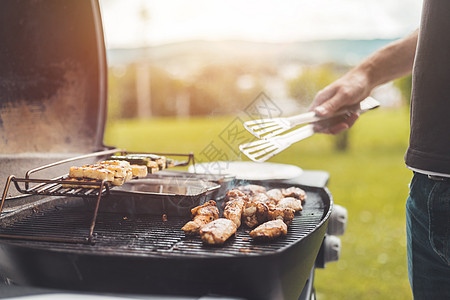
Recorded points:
311,117
306,131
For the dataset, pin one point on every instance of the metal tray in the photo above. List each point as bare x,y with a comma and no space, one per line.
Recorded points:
173,196
225,181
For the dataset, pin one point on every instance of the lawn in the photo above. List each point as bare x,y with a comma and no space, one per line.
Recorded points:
369,179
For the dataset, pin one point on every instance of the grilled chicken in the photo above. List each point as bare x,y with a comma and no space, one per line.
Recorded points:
233,211
275,195
269,230
255,213
218,231
290,202
252,189
201,215
234,194
260,197
284,214
294,192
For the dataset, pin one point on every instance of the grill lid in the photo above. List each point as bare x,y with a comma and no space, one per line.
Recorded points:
52,82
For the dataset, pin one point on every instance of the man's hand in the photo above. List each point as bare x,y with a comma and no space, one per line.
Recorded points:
350,89
390,62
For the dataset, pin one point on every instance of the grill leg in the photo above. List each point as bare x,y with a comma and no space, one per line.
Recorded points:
309,293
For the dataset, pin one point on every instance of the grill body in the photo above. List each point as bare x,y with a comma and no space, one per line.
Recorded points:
144,254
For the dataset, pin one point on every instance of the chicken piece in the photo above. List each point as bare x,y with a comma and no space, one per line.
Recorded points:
269,230
201,215
255,213
275,195
233,211
290,202
294,192
260,197
284,214
217,231
252,189
234,194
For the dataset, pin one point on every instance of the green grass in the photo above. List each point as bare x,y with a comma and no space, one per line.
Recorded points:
369,179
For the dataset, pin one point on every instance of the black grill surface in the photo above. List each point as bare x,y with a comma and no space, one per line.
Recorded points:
149,235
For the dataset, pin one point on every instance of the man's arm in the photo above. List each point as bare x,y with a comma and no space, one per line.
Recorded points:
390,62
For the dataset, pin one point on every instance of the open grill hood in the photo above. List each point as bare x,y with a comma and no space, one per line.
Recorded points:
52,82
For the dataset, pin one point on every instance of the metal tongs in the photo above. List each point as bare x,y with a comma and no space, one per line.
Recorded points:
269,129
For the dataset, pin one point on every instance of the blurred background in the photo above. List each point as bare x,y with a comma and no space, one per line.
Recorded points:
183,75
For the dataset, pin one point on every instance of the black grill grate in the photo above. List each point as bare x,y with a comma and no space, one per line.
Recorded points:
149,235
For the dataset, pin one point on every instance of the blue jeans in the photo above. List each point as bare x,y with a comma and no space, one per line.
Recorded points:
428,237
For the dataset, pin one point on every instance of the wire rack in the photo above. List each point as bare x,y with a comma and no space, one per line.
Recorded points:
58,187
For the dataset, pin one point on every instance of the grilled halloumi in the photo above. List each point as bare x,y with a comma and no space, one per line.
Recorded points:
104,174
118,181
139,171
76,172
122,163
119,171
78,183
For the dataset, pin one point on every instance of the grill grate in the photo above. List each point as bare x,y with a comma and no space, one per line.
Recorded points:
149,235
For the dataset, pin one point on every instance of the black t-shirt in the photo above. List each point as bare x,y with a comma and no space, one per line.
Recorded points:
429,147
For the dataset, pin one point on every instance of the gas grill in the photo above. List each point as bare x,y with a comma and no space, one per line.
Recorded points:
147,254
105,239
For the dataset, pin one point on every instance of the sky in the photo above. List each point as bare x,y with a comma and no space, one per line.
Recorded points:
170,21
